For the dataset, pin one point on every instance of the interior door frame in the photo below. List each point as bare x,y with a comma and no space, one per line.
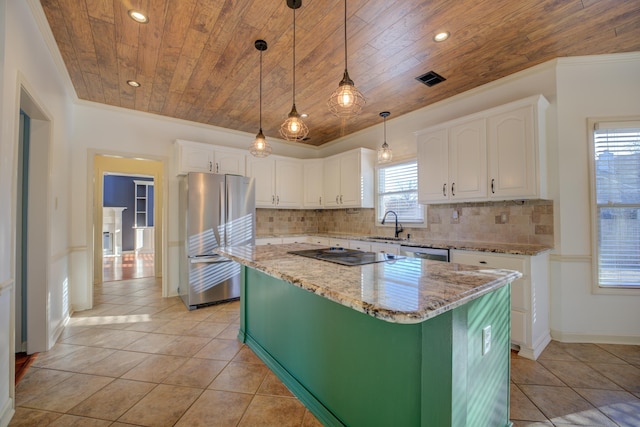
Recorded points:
102,164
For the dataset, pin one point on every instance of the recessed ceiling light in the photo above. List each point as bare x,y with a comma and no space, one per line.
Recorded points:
441,36
138,16
133,83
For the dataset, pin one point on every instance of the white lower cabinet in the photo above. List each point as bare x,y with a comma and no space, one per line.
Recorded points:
530,330
359,246
384,248
339,243
268,241
324,241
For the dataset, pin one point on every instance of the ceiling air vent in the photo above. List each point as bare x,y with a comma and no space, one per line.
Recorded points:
431,78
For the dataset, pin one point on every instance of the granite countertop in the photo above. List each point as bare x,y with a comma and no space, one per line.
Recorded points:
499,248
408,290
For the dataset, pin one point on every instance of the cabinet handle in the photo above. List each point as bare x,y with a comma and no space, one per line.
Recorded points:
337,200
341,199
320,200
217,167
483,262
453,188
493,190
444,190
273,199
210,166
277,200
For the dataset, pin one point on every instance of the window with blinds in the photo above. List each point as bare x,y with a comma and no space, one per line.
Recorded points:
398,192
617,195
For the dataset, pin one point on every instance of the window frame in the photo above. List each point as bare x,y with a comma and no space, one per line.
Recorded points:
391,224
596,288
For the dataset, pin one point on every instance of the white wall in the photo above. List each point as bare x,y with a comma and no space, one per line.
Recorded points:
588,87
107,130
26,61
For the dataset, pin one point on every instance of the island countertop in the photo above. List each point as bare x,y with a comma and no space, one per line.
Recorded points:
408,290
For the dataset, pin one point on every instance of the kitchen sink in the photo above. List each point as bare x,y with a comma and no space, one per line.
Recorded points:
394,239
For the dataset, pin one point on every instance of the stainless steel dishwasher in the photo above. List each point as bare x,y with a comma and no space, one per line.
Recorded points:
435,254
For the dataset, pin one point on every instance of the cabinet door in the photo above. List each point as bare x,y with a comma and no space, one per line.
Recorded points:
512,154
229,162
332,182
288,183
313,174
350,182
195,158
433,170
263,172
468,160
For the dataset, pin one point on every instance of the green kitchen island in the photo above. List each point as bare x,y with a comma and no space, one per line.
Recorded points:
408,342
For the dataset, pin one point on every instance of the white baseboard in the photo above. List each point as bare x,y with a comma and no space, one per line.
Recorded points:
538,348
7,413
594,339
58,331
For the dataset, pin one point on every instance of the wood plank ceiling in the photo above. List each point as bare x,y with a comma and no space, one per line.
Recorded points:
196,60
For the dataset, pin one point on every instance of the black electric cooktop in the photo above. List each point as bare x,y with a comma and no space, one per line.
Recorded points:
346,256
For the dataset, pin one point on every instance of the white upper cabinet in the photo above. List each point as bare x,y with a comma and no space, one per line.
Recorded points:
198,157
452,163
278,181
348,179
497,154
313,172
517,166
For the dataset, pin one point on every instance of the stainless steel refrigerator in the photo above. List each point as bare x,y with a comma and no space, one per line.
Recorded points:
214,210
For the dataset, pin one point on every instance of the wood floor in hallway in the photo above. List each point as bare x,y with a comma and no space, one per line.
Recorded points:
130,265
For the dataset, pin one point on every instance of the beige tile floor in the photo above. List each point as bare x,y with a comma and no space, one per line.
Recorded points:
139,359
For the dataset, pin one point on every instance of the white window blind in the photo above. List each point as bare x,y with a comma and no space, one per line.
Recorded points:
617,195
398,191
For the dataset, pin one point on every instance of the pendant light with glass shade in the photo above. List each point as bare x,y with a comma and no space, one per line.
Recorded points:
346,101
260,147
294,129
384,153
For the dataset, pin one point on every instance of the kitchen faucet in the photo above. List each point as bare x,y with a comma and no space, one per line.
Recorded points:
398,230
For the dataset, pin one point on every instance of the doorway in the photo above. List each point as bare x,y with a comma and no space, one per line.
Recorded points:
153,170
128,227
32,228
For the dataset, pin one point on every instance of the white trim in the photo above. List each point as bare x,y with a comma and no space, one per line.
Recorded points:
595,59
7,413
570,258
595,339
538,348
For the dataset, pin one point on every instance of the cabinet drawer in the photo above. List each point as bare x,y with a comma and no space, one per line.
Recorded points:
295,239
339,243
492,261
361,246
268,241
324,241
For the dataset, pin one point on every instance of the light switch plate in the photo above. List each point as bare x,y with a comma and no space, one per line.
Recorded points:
486,339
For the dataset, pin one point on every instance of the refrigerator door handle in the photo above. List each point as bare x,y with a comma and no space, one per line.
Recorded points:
213,259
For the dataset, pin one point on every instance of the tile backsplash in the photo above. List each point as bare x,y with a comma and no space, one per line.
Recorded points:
528,221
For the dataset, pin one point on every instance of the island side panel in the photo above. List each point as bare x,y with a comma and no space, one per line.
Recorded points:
364,371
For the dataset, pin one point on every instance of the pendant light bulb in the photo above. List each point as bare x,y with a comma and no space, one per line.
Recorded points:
260,146
384,153
294,129
346,101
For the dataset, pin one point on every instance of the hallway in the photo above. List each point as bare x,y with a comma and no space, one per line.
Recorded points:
130,265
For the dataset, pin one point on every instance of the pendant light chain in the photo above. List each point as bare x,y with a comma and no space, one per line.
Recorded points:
345,35
293,128
346,101
260,146
260,90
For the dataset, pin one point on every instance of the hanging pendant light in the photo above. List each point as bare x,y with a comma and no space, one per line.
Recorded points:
384,153
260,147
346,101
294,129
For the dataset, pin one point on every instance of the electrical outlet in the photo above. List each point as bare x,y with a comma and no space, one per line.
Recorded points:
455,214
486,339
